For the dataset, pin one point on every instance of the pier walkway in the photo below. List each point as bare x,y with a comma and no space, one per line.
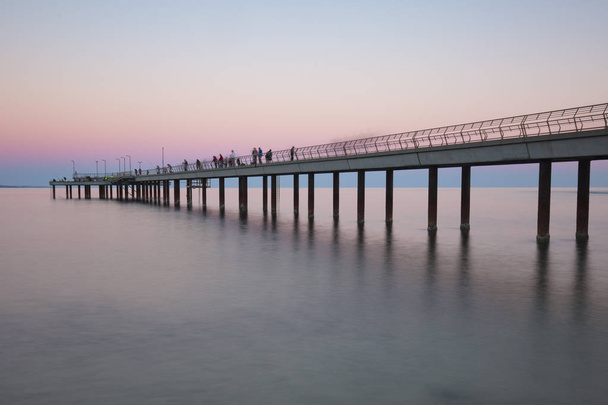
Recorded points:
575,134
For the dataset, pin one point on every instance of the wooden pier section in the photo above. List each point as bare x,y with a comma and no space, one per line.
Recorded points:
577,134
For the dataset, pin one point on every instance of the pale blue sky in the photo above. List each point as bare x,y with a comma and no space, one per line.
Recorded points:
92,80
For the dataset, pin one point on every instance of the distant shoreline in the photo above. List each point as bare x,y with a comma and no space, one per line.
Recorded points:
1,186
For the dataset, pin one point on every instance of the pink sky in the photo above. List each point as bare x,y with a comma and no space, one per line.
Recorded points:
95,80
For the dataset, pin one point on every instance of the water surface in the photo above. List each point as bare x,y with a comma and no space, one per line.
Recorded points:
103,302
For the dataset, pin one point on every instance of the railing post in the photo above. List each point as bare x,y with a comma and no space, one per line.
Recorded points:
582,200
389,196
544,201
432,210
465,199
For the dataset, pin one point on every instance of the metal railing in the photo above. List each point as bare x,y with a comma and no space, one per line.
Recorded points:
556,122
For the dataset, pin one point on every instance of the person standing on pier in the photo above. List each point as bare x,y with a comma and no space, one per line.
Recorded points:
198,164
260,155
232,158
254,154
185,165
292,152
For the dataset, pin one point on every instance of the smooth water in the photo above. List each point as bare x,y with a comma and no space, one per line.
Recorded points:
103,302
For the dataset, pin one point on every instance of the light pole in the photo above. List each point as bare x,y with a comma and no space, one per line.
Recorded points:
97,169
73,168
129,162
124,164
118,164
104,169
163,164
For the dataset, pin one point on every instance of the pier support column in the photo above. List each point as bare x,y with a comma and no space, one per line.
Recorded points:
222,194
67,192
433,175
273,195
204,182
100,192
265,194
465,199
336,199
544,201
70,192
53,192
296,194
176,193
360,196
582,200
389,195
111,192
311,195
243,194
78,191
189,193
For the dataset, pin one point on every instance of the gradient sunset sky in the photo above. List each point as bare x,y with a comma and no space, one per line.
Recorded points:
92,80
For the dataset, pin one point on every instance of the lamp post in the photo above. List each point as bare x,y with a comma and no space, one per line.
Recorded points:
104,168
163,163
129,162
118,164
73,168
97,169
124,164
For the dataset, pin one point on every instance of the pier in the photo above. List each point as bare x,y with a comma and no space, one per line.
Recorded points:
577,134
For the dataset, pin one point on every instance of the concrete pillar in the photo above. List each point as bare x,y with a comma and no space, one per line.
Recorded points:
189,193
465,199
204,181
336,199
243,194
311,195
176,192
582,200
222,195
53,192
296,194
265,194
389,195
432,211
360,196
78,191
273,195
70,192
111,192
544,201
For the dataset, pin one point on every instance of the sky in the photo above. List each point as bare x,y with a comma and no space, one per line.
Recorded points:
88,81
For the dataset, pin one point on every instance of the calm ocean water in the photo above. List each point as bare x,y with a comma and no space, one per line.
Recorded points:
104,302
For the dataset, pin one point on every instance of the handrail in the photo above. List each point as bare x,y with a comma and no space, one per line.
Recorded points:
555,122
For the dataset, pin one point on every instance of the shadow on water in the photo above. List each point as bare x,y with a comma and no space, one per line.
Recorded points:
579,305
542,279
464,266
